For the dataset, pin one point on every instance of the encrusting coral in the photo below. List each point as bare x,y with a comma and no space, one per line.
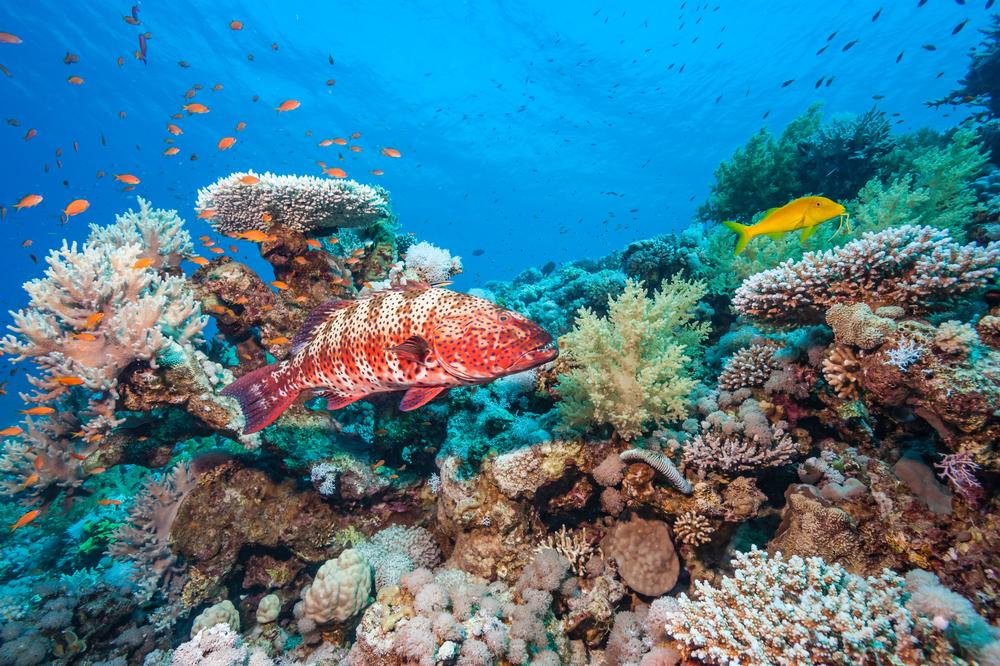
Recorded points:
298,203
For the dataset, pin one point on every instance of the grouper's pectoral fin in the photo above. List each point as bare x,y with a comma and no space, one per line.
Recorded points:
807,232
418,397
414,348
334,401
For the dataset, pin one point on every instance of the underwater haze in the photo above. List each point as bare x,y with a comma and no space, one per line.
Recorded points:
519,333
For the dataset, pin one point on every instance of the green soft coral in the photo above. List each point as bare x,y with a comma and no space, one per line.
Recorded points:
632,369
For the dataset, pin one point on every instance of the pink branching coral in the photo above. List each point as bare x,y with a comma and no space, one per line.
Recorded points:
98,309
146,540
960,471
909,266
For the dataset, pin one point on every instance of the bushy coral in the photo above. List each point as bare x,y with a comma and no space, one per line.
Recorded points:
631,369
298,203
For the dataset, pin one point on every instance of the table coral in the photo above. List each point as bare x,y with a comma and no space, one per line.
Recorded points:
300,203
917,268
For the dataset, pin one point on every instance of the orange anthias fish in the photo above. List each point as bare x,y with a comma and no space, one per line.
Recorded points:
28,201
174,129
68,381
334,172
206,214
172,150
144,262
249,180
226,142
109,502
76,207
288,105
278,284
93,320
420,339
391,152
38,411
200,261
8,38
75,80
12,431
255,236
195,107
127,178
25,519
236,25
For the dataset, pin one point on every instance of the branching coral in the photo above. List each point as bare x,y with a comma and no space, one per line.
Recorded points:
794,611
47,459
917,268
749,367
576,548
736,452
842,371
299,203
630,370
693,529
99,309
145,540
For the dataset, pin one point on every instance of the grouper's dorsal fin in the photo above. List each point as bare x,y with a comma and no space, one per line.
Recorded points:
315,318
414,348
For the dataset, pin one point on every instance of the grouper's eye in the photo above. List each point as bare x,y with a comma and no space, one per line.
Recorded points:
503,317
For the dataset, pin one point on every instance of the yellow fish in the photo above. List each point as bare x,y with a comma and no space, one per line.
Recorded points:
804,213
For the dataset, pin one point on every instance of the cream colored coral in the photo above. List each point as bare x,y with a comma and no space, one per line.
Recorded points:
989,330
693,529
340,590
630,369
268,609
223,612
842,371
953,338
749,367
856,324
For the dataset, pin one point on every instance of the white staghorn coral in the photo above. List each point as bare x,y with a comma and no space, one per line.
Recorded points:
94,312
299,203
909,266
796,611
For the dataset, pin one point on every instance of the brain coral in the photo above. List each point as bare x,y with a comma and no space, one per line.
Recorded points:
913,267
299,203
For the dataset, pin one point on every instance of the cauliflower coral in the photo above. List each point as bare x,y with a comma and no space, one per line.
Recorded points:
631,369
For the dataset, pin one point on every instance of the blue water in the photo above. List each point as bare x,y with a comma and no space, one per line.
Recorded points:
530,131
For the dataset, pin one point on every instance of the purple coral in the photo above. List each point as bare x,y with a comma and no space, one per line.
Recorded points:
960,471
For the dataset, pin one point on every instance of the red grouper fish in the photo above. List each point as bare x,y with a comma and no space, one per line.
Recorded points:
419,339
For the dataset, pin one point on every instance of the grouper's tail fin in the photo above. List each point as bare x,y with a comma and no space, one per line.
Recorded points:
744,233
263,395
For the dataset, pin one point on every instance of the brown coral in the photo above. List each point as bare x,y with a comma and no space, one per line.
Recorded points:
748,368
645,555
842,371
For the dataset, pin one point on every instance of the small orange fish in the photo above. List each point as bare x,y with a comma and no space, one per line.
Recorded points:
191,92
326,142
9,38
236,25
278,284
201,261
120,61
249,180
127,178
300,261
204,238
27,243
30,134
206,214
93,320
77,456
38,411
334,172
75,80
68,381
28,201
377,172
391,152
255,236
267,307
12,431
226,142
381,431
377,464
356,135
31,480
330,82
76,207
240,126
315,244
354,149
288,105
217,250
340,141
351,261
208,243
86,337
98,470
34,513
39,462
109,502
195,107
174,129
172,150
281,340
217,87
266,217
233,248
145,262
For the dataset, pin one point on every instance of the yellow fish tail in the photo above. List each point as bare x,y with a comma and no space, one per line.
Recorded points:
744,233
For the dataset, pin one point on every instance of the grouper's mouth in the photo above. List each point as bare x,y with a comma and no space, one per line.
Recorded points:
543,353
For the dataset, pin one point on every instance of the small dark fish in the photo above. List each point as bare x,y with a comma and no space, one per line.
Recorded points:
184,63
958,28
718,99
848,45
70,58
255,98
250,57
829,81
142,48
135,12
989,3
929,47
35,260
478,252
766,114
820,82
787,83
921,3
876,15
104,141
274,46
878,97
939,75
13,122
820,52
900,56
5,70
832,35
329,59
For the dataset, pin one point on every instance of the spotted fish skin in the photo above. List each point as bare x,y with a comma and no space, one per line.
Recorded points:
419,339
